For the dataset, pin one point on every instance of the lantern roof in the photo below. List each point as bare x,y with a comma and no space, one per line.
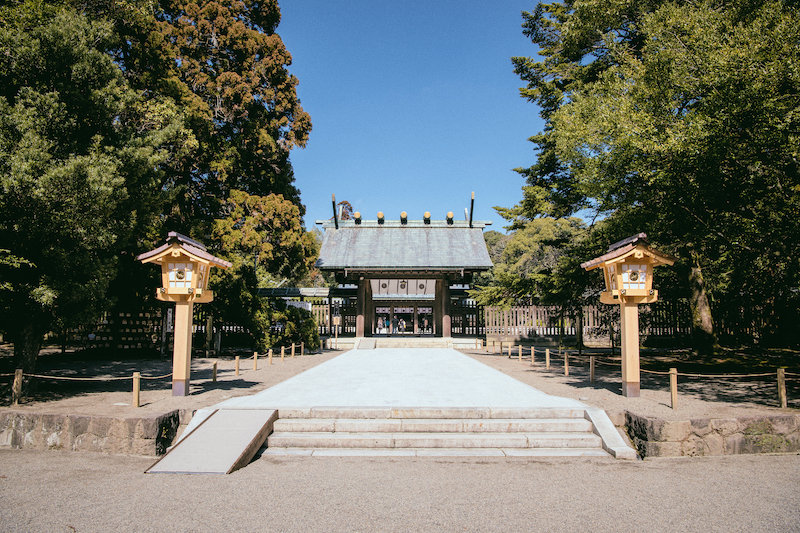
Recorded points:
194,249
622,249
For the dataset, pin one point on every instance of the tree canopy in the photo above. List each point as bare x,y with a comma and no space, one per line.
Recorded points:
679,119
121,120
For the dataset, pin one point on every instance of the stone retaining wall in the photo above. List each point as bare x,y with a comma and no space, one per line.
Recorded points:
654,437
146,435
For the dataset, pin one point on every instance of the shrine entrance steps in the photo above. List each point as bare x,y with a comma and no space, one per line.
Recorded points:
420,431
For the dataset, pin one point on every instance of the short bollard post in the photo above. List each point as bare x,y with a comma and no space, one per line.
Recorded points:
214,372
520,353
533,354
302,349
236,365
255,360
547,358
591,369
510,347
293,350
16,389
782,388
269,356
137,376
673,387
283,352
566,363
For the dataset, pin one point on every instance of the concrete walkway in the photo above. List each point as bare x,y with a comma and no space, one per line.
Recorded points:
397,377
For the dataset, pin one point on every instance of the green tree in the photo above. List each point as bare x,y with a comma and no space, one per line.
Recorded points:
679,119
526,262
263,237
82,160
223,61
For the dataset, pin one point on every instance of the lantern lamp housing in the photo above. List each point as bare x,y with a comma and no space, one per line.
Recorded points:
185,268
628,270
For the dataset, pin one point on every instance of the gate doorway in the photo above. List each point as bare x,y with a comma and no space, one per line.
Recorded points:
403,319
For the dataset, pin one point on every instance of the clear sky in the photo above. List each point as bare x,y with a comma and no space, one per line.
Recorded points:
414,104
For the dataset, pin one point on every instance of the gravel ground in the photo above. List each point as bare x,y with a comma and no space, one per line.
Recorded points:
113,398
59,491
713,398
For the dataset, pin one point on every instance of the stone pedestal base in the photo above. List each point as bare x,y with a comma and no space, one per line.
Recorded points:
180,387
630,389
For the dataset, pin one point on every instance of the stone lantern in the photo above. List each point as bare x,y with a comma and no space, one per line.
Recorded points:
628,272
185,269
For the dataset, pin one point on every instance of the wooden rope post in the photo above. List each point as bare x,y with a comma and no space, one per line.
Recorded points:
510,347
566,363
782,388
137,376
533,354
673,387
283,352
547,358
236,365
16,389
255,360
269,356
302,349
520,353
591,369
214,372
292,350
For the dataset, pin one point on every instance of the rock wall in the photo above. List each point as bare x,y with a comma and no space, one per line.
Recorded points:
654,437
147,435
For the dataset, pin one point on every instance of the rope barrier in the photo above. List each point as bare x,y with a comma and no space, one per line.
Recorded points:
157,377
113,378
65,378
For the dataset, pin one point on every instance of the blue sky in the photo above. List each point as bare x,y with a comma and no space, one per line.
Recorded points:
414,104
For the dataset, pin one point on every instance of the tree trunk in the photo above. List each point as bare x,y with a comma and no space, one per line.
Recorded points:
27,342
579,332
705,341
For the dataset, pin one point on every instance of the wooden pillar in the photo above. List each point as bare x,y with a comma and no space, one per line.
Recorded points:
437,308
360,306
629,317
182,349
369,308
443,319
330,314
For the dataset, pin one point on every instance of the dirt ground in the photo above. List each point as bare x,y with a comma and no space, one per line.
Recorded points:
54,491
698,398
113,398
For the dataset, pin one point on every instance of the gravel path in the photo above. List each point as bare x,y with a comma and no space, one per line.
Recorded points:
696,398
57,491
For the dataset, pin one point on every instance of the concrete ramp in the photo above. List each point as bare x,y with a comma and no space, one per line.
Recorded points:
225,441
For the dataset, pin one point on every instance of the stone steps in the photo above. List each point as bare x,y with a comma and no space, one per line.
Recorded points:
437,452
448,431
339,439
431,425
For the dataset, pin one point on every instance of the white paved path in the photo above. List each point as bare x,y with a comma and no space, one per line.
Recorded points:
402,377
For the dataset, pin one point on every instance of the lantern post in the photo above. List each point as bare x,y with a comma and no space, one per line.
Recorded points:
185,268
628,273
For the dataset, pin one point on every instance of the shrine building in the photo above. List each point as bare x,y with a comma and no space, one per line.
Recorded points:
406,274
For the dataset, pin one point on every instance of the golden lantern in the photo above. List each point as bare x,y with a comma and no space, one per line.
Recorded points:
628,273
185,268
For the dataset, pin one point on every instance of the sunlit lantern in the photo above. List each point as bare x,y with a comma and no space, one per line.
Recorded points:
185,268
628,272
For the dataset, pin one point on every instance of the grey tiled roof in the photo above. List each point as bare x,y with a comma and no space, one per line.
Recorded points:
393,246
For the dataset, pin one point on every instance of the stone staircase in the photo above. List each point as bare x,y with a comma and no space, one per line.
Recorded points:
438,432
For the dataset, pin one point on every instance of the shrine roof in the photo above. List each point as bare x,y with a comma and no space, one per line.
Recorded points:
414,245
